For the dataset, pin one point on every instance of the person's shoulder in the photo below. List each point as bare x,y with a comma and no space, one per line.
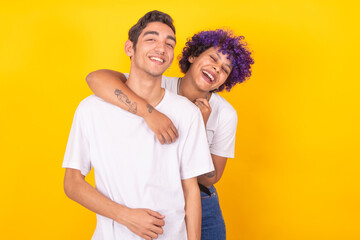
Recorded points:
169,83
180,101
180,109
92,99
222,104
90,103
223,109
169,79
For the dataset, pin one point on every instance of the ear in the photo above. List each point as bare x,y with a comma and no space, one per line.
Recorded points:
191,59
129,48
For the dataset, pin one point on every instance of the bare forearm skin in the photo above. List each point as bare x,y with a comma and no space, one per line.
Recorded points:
192,208
77,189
213,177
109,85
208,179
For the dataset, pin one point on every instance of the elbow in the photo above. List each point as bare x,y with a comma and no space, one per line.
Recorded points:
91,77
215,179
211,182
73,182
209,179
68,188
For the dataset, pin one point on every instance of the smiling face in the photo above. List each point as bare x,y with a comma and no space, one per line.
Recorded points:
209,70
154,49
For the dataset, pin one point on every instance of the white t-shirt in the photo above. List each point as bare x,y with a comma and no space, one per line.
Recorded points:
221,125
131,167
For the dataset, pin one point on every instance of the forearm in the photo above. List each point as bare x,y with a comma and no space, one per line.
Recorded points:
77,189
213,177
208,179
192,209
109,85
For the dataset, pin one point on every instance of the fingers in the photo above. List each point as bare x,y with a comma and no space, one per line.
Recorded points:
200,105
168,135
203,101
156,224
174,130
203,105
155,214
172,135
160,138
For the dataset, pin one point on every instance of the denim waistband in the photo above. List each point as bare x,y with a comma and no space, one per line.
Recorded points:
209,191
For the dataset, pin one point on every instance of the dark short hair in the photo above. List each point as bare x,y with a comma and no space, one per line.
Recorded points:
153,16
233,46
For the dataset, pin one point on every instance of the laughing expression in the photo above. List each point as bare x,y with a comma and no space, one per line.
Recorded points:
209,70
154,50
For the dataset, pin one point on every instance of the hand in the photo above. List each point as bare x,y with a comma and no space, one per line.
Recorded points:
204,107
162,126
145,223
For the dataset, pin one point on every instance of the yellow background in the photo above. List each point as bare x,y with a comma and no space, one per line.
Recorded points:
296,171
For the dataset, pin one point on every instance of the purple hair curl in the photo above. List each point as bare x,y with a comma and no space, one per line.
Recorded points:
228,44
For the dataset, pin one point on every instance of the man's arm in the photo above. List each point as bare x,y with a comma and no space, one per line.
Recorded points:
143,222
213,177
192,208
110,86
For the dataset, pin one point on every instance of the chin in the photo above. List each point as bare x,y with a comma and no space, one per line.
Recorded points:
156,74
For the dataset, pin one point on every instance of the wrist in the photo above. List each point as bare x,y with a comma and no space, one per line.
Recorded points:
150,111
120,214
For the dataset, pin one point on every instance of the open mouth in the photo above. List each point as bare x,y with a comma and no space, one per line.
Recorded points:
208,76
157,59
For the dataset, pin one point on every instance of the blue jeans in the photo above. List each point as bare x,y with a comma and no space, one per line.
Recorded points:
213,225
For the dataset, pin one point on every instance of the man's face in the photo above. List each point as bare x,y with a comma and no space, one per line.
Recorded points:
209,70
154,50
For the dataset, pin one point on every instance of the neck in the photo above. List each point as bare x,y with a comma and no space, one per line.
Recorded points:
189,90
146,86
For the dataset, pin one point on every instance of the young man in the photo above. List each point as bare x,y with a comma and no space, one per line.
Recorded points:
144,189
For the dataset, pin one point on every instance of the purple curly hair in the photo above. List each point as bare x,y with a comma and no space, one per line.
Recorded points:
228,44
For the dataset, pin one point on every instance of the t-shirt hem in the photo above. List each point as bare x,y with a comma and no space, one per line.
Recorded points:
75,166
222,154
197,173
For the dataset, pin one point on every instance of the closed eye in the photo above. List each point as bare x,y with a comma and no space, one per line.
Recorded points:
214,59
170,45
226,71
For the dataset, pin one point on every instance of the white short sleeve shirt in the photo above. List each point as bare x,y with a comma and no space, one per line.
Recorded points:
131,167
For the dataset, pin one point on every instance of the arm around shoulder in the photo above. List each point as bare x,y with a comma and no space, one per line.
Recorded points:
110,86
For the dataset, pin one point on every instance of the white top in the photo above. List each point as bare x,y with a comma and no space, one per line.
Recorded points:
221,125
131,167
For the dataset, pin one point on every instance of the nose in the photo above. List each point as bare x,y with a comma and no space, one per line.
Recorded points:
216,68
160,48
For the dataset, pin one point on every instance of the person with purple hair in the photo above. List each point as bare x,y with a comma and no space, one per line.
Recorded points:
211,61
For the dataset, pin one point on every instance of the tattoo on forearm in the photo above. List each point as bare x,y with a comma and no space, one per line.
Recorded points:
211,174
150,108
125,100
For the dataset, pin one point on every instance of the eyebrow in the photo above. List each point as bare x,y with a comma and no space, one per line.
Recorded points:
225,63
157,34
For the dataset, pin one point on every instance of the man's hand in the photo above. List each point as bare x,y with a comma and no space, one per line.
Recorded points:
162,126
144,223
204,107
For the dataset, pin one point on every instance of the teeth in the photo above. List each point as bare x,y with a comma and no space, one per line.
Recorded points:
209,75
157,59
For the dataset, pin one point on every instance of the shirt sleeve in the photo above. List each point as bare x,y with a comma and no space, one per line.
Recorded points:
77,154
195,155
223,142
